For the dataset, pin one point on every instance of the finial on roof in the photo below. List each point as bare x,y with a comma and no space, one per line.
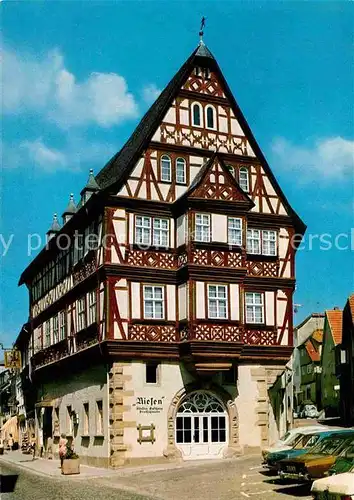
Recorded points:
55,227
201,31
70,209
90,188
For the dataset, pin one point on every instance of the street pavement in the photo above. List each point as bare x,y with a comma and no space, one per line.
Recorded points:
237,479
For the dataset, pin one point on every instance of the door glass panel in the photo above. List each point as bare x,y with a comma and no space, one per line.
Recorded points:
196,429
205,429
179,429
214,429
222,429
187,429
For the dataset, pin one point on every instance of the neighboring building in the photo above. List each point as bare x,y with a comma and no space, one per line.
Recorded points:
306,360
332,337
163,339
345,364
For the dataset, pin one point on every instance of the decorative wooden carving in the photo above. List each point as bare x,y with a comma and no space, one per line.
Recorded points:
209,86
184,135
147,258
152,333
263,268
182,259
226,333
216,258
146,433
85,269
260,337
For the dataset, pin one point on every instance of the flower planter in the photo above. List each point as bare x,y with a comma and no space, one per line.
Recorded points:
71,466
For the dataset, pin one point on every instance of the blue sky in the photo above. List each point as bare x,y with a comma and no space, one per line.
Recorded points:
78,76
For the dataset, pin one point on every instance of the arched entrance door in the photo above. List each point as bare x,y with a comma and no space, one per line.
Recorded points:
201,426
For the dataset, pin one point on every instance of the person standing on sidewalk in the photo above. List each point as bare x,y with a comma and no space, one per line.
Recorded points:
62,448
10,442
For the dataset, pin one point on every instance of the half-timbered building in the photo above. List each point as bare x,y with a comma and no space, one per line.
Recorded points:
161,310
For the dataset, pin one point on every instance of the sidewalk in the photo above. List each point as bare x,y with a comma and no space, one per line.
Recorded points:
47,467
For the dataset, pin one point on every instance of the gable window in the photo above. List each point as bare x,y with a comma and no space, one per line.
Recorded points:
234,231
92,307
210,117
196,115
244,179
160,232
181,171
202,227
81,314
254,308
269,239
217,301
254,241
143,230
165,168
206,73
153,302
55,329
62,325
231,169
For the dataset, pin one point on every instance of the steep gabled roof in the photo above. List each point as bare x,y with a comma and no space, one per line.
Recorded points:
351,305
312,351
334,318
117,170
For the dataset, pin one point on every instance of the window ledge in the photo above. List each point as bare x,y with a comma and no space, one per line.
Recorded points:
98,435
85,435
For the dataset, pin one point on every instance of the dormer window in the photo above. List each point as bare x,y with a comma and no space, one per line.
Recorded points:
210,117
206,73
231,169
166,168
244,179
196,115
198,71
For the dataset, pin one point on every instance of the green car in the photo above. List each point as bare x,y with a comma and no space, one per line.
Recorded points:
344,463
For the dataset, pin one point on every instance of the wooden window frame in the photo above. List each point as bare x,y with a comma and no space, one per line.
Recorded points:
195,103
91,317
226,299
164,156
56,327
184,171
163,300
195,227
261,242
240,229
151,231
207,107
244,169
61,315
262,305
81,313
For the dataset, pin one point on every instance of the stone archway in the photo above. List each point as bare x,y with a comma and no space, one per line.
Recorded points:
233,448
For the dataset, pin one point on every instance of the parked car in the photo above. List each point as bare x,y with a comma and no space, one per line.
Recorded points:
318,460
304,443
289,439
339,487
345,461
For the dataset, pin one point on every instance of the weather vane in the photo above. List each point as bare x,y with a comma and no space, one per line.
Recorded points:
202,25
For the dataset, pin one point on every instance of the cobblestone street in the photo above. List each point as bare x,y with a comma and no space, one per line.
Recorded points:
208,480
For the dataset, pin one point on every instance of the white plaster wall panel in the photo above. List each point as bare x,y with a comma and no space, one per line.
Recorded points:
283,242
122,301
282,210
114,256
234,302
235,126
193,171
164,188
182,301
269,308
267,184
119,230
200,300
131,228
170,116
135,300
172,378
153,161
123,191
132,185
266,208
172,232
138,168
142,191
250,151
219,228
246,402
196,161
281,309
180,190
171,302
74,390
181,230
223,124
156,136
256,205
184,116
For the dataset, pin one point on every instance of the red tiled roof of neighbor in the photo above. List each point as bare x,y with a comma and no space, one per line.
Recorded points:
311,351
351,305
335,323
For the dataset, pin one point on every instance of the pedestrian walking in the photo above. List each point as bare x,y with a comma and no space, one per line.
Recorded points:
10,442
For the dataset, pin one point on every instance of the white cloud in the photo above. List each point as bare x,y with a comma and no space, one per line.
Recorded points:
45,86
150,93
76,154
329,158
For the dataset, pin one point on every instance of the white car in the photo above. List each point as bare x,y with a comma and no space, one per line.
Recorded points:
287,441
337,487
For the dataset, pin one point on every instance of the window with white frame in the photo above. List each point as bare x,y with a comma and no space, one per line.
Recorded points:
254,241
269,242
181,171
160,232
217,301
196,115
91,307
142,230
210,117
254,307
153,302
55,329
165,168
81,314
202,227
47,332
244,179
234,231
151,231
231,169
62,325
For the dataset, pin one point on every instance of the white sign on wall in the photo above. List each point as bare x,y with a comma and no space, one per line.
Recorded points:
149,405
